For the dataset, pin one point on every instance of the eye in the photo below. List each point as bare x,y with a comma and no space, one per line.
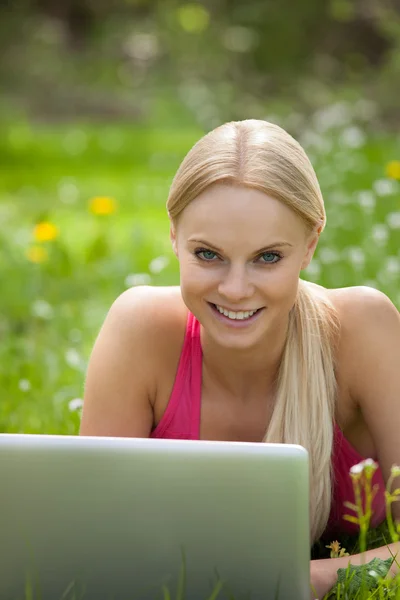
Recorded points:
270,257
206,255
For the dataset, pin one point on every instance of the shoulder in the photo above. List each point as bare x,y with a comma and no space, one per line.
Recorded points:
155,320
154,314
362,311
150,302
369,338
124,372
357,306
366,318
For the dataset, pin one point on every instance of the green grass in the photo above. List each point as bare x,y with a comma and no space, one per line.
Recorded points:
50,312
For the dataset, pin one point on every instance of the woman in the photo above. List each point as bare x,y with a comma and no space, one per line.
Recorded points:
245,350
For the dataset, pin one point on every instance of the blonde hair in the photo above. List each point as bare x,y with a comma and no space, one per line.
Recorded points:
261,155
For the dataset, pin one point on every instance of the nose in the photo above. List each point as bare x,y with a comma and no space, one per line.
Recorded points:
235,286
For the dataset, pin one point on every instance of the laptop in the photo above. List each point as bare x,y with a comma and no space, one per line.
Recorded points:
100,518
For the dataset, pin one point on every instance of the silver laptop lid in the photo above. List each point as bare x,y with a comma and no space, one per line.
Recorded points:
100,518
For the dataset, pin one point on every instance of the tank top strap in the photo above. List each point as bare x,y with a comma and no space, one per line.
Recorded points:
195,375
181,419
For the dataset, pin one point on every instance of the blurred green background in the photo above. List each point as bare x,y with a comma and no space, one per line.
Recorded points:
100,101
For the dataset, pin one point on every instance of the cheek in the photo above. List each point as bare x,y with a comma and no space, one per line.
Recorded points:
281,285
287,278
193,277
195,284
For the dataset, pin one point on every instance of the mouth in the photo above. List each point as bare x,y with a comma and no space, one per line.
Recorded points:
237,318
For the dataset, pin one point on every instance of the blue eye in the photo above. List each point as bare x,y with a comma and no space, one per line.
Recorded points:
207,255
270,257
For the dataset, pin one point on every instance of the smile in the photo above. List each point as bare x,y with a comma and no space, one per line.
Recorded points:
235,317
241,314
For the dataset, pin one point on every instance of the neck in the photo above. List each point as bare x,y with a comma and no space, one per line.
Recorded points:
244,372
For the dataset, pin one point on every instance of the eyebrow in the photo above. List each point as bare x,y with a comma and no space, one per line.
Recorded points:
263,249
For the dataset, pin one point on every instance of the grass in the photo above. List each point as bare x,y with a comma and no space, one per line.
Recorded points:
56,293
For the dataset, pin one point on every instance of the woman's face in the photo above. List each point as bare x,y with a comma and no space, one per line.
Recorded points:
240,251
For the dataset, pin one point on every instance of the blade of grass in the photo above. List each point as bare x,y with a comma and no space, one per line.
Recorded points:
216,590
28,589
182,580
166,594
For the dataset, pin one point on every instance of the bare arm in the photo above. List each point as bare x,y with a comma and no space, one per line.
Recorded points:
119,383
373,354
323,572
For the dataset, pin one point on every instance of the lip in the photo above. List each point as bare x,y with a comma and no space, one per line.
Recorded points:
235,323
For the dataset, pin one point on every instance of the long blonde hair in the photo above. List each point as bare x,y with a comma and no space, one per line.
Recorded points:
261,155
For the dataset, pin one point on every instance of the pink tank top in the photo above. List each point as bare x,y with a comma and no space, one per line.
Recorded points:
181,420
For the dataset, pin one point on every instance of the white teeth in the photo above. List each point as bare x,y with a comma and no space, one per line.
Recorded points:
241,315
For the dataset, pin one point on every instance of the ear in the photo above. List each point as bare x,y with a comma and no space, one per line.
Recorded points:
172,237
310,248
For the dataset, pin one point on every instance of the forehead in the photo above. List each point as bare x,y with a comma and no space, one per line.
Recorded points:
235,213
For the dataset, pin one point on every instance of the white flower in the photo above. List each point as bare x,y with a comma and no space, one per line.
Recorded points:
393,220
328,255
74,359
380,233
313,270
335,115
158,264
22,237
75,404
42,309
368,465
142,46
385,187
137,279
353,137
311,139
356,256
395,471
24,385
392,265
357,469
366,199
68,191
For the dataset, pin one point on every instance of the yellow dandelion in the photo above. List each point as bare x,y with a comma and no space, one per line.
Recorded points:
393,169
336,550
45,232
37,254
102,205
334,546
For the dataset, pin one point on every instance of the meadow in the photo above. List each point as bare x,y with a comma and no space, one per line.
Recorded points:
82,218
